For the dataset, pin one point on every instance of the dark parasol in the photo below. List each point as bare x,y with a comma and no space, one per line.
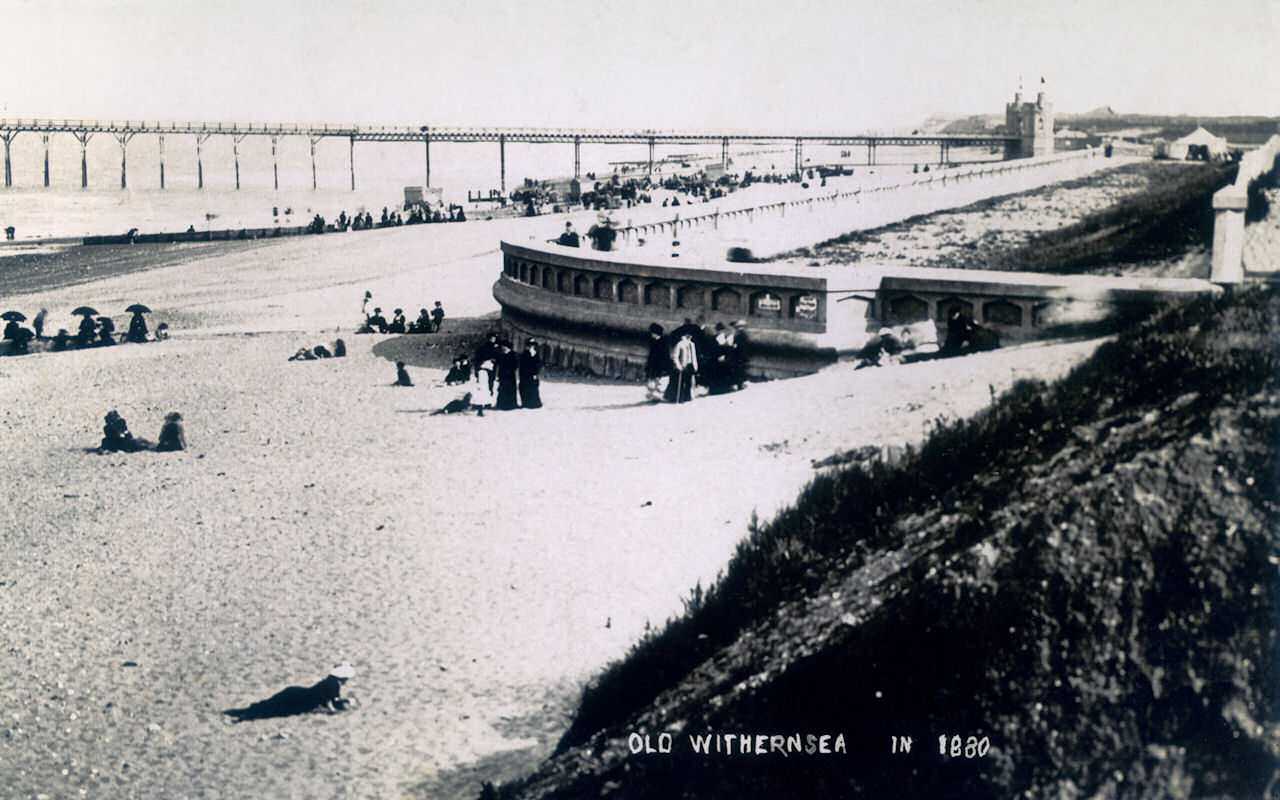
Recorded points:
13,316
137,308
86,310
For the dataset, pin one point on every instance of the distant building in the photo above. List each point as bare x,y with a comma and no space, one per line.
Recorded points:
1032,123
1199,143
1069,139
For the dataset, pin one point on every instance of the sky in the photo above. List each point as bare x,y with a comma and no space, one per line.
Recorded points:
788,65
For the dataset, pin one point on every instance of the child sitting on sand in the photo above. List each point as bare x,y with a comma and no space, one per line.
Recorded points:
402,375
171,435
116,437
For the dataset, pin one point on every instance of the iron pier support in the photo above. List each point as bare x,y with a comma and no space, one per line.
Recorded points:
200,140
313,162
45,138
799,159
161,138
650,156
724,153
275,165
351,159
8,170
502,163
83,138
235,151
426,149
577,158
123,139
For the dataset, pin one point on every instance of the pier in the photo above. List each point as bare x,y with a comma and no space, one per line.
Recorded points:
200,132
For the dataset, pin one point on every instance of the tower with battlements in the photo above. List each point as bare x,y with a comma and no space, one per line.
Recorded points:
1032,123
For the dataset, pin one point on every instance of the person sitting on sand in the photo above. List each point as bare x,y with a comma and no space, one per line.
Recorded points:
162,331
19,335
423,323
455,406
105,330
303,354
323,696
339,349
62,341
137,328
375,323
320,351
460,372
88,330
402,375
171,435
116,436
397,322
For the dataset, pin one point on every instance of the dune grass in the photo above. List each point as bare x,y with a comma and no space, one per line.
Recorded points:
1209,348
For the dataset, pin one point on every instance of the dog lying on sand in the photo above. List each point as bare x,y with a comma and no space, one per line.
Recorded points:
323,696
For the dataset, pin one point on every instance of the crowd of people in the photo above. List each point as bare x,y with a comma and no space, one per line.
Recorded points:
692,361
418,214
501,380
95,330
427,321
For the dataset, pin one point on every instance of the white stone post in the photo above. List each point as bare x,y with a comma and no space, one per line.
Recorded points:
1228,235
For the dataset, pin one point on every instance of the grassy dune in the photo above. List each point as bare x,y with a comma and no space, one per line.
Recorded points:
1084,575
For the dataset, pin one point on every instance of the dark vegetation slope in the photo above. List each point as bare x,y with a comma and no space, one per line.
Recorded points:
1086,575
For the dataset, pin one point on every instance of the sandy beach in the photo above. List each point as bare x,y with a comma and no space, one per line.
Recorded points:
475,571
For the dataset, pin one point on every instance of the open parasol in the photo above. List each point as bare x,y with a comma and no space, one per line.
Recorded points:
13,316
86,310
137,308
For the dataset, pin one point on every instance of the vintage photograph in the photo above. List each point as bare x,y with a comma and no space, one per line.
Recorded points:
587,399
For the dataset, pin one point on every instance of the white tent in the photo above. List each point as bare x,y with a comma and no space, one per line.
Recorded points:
1177,149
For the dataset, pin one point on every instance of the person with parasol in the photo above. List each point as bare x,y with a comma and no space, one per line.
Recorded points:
15,332
137,325
88,329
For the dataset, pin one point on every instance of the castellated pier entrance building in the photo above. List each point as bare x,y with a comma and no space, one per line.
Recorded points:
1031,123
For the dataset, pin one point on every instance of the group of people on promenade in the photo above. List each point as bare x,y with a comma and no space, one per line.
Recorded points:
427,321
691,359
95,330
602,234
116,437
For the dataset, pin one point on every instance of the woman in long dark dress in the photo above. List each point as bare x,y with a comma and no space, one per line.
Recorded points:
506,365
530,365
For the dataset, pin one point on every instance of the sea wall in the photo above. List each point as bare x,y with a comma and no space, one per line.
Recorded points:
1229,206
592,309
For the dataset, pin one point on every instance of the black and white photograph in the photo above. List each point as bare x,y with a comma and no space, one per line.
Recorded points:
413,400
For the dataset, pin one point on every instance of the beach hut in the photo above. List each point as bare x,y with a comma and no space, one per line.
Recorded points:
1199,140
